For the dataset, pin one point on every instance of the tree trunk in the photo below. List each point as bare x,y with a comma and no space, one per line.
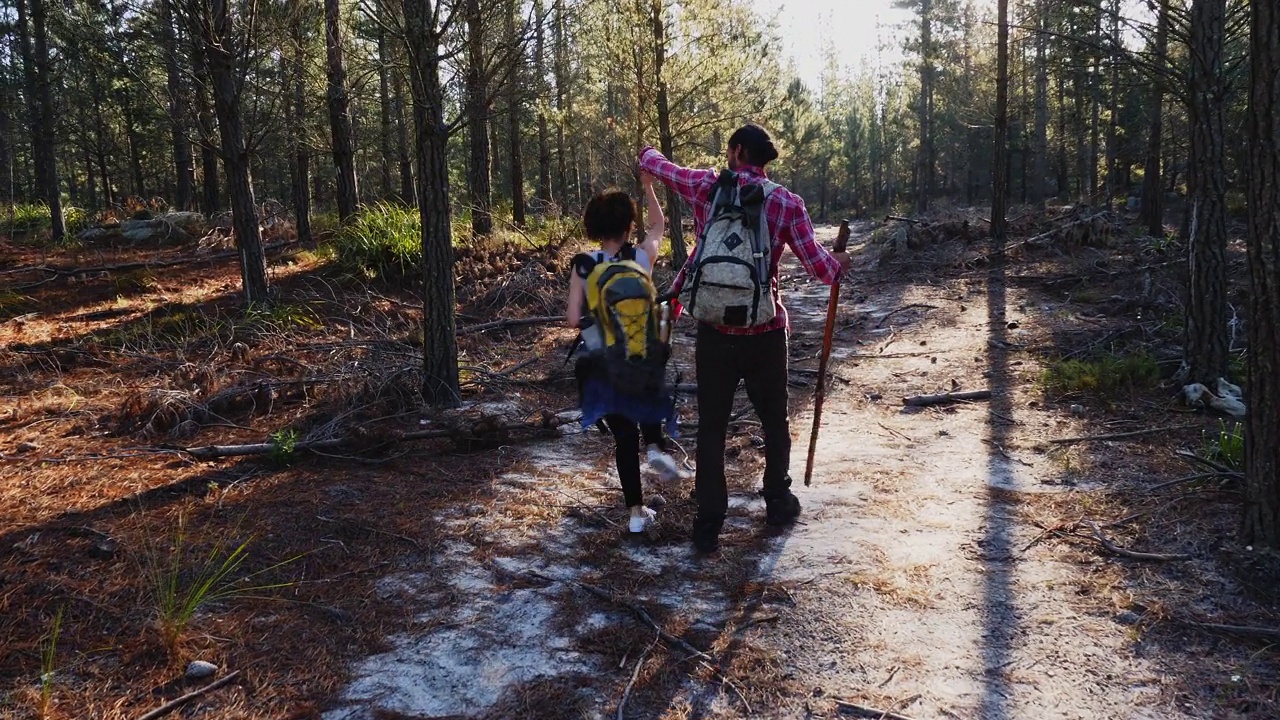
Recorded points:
340,115
1000,180
88,166
300,167
384,108
540,84
210,197
924,156
1206,329
1064,168
134,142
1152,193
407,193
560,59
8,172
440,352
1095,105
1261,523
513,124
222,56
1113,122
675,222
479,180
183,170
43,138
1040,174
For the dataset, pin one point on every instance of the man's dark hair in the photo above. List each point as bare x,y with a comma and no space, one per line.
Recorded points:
609,215
757,144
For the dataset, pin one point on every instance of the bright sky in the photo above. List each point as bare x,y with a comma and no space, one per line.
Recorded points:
807,26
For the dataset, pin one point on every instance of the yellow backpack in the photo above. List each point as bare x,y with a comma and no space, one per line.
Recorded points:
622,304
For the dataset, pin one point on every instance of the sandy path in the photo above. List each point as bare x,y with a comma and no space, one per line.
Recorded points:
908,586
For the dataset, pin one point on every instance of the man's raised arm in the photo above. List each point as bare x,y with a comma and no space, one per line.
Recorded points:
797,231
690,184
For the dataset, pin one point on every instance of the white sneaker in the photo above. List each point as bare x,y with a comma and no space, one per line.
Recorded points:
641,522
665,466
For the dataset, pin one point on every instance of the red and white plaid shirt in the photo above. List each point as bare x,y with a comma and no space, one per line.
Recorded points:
789,226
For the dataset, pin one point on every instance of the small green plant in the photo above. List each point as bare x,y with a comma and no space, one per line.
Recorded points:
383,241
284,443
182,581
48,665
280,317
1226,446
1108,376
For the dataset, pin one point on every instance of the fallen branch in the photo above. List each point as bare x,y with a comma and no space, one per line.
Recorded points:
626,694
209,452
1119,436
1195,459
178,702
641,613
510,323
943,399
899,218
1263,633
863,711
904,307
1132,554
144,264
1193,478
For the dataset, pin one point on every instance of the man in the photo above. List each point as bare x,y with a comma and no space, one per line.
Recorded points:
754,354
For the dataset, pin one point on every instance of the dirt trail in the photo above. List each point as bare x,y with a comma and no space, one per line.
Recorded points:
914,583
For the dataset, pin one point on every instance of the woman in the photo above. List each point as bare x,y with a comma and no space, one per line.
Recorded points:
609,219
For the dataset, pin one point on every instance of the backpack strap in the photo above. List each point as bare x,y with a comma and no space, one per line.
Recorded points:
583,264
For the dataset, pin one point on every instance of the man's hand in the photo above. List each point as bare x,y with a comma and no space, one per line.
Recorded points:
846,262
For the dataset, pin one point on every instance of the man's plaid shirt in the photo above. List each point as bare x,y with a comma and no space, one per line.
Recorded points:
789,226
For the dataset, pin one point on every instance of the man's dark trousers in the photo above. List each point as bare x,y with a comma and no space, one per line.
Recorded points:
722,361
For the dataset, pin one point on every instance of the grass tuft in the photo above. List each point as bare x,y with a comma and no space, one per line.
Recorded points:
1108,376
1226,446
384,241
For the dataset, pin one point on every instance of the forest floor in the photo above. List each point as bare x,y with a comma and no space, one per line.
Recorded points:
946,565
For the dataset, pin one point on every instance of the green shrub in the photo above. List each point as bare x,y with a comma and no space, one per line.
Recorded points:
383,241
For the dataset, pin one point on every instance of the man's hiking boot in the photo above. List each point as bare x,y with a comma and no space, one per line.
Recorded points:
782,510
665,466
641,522
706,535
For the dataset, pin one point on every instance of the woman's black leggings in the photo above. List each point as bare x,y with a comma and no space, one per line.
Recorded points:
627,434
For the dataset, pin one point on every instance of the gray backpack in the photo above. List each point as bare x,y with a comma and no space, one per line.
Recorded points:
728,277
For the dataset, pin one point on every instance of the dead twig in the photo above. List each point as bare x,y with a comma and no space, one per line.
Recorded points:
178,702
1195,459
636,610
944,398
374,530
891,313
851,708
510,323
1193,478
1132,554
626,694
1262,633
1120,436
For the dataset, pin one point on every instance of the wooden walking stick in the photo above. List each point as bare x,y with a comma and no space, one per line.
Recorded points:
842,241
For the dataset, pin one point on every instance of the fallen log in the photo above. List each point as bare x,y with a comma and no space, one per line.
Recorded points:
210,452
142,264
944,398
511,323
